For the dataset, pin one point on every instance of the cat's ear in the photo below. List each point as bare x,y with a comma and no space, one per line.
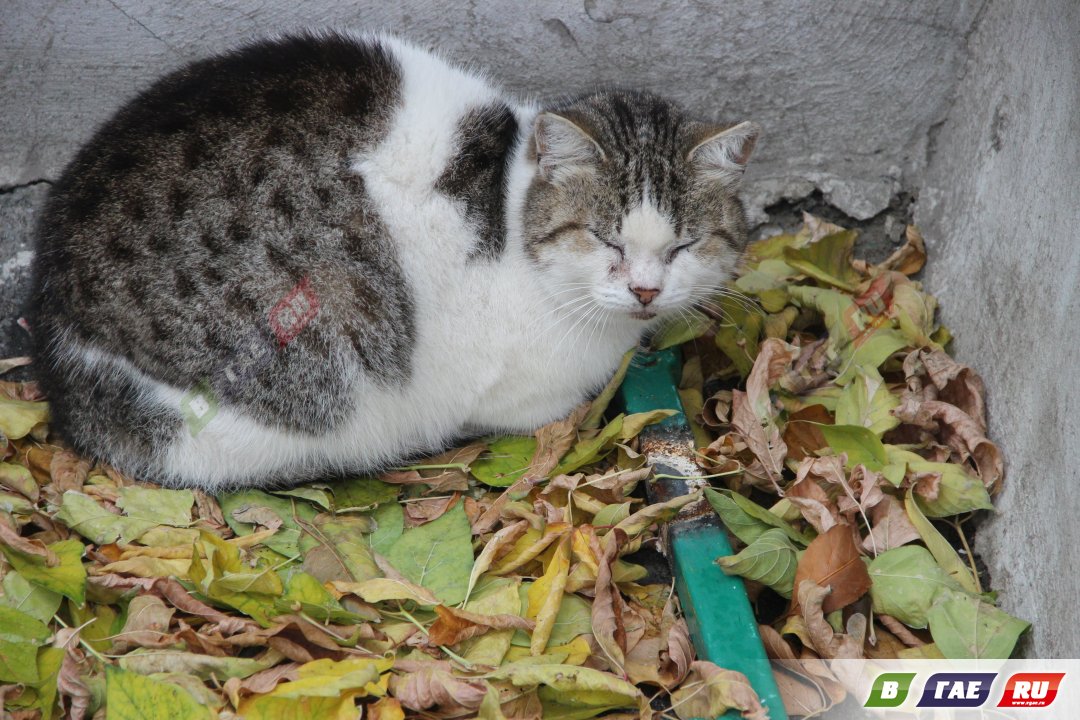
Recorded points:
564,148
721,155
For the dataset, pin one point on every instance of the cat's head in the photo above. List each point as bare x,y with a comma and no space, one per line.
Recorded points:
634,206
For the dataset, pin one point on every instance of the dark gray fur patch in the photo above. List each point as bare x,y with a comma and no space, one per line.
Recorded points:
189,217
476,174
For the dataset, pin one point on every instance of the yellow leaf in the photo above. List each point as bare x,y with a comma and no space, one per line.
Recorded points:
545,595
18,417
379,589
150,567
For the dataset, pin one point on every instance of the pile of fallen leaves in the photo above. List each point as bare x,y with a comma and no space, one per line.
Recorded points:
487,582
498,580
853,446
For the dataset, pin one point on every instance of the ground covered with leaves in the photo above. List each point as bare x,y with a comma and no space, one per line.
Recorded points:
846,450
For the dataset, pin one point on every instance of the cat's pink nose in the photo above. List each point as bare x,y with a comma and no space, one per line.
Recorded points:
645,295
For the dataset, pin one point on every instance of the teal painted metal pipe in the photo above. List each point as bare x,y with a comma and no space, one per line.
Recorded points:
717,610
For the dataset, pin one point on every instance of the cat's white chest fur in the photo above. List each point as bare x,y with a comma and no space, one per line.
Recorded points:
494,350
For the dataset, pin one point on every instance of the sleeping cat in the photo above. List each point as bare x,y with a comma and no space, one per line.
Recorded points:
324,253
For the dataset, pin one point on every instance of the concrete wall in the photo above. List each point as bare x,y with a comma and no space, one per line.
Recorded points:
1000,207
972,104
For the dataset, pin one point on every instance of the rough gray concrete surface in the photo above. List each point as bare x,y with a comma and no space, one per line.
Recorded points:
846,90
18,209
1000,208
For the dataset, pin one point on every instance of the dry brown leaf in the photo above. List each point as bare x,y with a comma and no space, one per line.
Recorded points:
420,511
802,436
34,548
431,686
172,591
891,527
261,682
908,259
716,410
69,682
900,630
960,432
608,606
709,690
753,416
453,626
829,644
147,625
68,471
833,560
554,440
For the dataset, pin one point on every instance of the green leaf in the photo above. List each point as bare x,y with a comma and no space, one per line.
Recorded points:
591,450
861,445
767,284
867,402
689,325
85,516
20,636
869,350
914,313
907,582
340,542
505,461
37,602
68,577
49,660
611,515
16,504
739,337
827,260
959,492
841,316
389,525
315,495
362,492
286,539
309,595
939,547
225,577
19,479
635,423
158,507
130,696
746,519
965,627
771,560
437,555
